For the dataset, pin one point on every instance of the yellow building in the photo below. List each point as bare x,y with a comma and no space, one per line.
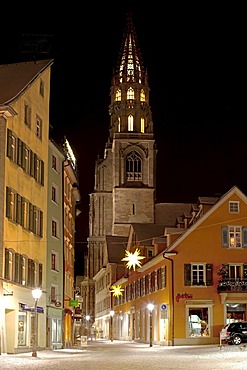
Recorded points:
24,137
196,278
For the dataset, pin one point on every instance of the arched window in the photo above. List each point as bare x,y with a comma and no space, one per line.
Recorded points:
119,124
142,125
133,167
118,95
130,123
130,93
142,95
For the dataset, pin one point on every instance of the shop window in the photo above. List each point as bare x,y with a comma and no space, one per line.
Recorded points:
198,322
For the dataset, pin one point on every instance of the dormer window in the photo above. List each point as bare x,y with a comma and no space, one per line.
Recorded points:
118,95
130,93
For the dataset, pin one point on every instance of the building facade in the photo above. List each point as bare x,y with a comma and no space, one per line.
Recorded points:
55,243
196,283
24,135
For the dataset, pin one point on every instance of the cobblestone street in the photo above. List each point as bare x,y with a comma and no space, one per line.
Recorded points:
117,355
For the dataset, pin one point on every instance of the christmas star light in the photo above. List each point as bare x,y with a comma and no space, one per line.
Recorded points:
133,259
116,290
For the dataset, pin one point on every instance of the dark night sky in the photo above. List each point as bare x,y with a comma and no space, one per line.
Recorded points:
196,62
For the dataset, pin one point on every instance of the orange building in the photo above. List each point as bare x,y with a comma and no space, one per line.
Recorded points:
195,275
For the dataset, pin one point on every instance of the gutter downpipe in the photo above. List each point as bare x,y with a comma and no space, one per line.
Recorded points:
165,254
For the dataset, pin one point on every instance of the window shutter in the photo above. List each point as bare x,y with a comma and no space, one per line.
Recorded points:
40,274
6,271
41,224
21,278
42,172
19,156
209,274
18,210
187,274
244,230
224,234
17,266
29,273
31,163
9,149
245,271
8,191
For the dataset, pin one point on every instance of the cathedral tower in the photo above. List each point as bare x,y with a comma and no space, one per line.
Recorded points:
124,189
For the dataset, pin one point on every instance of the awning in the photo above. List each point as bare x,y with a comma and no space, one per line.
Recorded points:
25,307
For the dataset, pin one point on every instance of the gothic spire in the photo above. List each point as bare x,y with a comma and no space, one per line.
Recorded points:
130,66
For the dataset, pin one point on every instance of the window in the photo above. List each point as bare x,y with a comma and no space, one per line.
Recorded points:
130,94
54,228
54,192
11,204
54,293
8,272
12,146
38,127
118,95
234,207
54,162
234,236
25,213
26,159
54,261
27,114
142,96
130,123
119,124
38,170
198,321
41,88
142,125
198,274
133,167
37,221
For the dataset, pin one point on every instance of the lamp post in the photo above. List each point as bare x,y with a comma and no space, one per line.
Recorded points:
111,325
87,325
150,308
36,293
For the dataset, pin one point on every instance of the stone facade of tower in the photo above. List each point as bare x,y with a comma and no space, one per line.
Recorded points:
125,178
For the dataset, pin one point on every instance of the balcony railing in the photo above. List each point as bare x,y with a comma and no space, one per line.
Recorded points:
232,285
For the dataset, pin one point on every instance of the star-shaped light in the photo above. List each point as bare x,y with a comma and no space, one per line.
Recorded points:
133,259
116,290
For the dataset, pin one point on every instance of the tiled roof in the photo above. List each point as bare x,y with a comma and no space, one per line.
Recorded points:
15,78
167,213
146,232
116,246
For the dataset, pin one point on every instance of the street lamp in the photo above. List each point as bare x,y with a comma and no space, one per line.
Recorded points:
36,293
111,325
150,308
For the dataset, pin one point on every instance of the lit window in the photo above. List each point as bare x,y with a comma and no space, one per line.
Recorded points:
130,94
118,95
130,123
142,125
142,95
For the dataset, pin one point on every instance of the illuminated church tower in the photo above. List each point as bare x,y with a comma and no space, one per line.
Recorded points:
124,189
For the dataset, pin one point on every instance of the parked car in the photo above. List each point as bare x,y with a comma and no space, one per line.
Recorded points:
234,333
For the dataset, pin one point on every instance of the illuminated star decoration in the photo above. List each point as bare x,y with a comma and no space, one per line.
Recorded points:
133,259
116,290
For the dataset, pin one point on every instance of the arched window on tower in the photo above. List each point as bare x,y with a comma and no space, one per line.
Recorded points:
130,93
142,125
118,95
133,167
142,95
130,123
119,124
